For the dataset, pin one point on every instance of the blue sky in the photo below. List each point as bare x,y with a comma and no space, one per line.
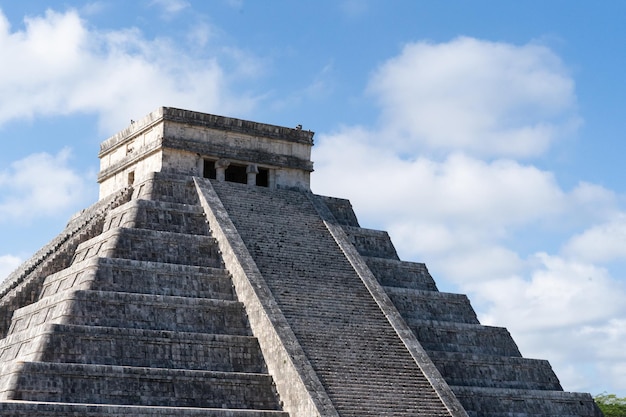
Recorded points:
486,137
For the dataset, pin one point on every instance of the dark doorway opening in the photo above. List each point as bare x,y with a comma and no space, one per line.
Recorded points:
209,169
237,173
263,177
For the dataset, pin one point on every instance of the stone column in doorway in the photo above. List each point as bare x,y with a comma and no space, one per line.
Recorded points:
220,169
252,170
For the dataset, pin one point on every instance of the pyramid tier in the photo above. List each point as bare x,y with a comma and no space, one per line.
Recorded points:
105,384
136,311
47,409
445,336
134,347
494,402
142,277
152,246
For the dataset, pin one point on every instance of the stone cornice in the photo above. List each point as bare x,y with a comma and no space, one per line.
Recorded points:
210,121
246,127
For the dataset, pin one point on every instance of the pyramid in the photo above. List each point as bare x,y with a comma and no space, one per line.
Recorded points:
208,280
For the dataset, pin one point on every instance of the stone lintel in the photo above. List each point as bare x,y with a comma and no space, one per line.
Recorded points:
226,151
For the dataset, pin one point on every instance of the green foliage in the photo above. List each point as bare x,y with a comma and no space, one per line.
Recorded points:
611,405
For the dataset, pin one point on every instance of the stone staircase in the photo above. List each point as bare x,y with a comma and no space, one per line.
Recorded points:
361,362
481,364
143,322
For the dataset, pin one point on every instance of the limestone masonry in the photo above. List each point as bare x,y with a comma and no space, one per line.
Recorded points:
209,281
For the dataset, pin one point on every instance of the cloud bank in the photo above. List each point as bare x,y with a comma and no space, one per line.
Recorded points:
41,185
58,65
484,98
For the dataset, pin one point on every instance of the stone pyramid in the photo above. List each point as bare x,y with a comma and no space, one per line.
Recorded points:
209,281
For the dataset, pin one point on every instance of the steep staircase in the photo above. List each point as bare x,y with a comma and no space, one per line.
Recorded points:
482,364
360,360
143,322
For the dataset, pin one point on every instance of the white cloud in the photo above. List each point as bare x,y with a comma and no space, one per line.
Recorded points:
609,348
486,98
601,243
479,264
8,263
567,311
559,293
41,185
60,66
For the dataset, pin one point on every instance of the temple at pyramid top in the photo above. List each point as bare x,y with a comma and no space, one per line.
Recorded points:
205,145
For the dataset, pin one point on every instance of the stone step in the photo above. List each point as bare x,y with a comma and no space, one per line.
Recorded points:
384,407
432,305
134,347
105,384
319,303
158,215
48,409
152,246
461,369
394,273
464,338
413,403
498,402
139,311
127,275
347,408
